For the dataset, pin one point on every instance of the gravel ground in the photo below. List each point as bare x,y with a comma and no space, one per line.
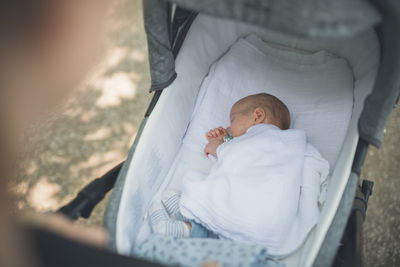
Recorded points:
94,130
382,227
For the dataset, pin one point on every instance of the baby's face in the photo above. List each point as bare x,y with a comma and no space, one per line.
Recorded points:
240,119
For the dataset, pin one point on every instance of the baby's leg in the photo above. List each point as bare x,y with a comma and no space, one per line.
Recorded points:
198,231
170,200
162,224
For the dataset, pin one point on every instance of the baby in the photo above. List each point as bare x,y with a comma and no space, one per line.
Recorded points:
245,113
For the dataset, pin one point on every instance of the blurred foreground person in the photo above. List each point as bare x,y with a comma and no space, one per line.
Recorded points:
46,48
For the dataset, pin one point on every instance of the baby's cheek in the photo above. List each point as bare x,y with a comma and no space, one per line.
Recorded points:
235,132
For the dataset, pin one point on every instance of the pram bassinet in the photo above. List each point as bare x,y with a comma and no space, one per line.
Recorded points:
167,28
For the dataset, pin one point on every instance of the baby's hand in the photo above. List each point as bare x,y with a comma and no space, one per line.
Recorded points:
217,133
211,147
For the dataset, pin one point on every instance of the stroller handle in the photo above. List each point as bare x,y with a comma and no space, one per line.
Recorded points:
86,200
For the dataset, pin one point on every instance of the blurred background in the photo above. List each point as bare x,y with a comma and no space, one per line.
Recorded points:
94,129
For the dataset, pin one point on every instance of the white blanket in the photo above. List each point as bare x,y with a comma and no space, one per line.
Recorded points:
252,193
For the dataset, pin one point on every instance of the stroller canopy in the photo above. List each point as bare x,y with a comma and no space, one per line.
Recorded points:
306,19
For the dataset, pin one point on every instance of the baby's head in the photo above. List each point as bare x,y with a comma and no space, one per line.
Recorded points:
256,109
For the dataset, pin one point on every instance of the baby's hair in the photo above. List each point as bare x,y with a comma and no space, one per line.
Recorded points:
272,106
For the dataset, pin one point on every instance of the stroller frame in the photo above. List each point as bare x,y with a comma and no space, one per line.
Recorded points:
346,227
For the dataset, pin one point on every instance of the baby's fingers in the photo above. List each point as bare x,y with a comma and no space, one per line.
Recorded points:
220,132
210,135
215,133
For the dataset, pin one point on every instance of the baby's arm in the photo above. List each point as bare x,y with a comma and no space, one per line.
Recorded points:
215,137
217,133
211,147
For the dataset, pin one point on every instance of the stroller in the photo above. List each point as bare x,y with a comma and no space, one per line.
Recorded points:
362,32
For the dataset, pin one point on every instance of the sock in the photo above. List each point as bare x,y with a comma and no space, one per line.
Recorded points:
173,228
162,224
170,200
157,214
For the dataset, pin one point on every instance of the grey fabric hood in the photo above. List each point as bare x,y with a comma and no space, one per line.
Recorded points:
307,18
167,22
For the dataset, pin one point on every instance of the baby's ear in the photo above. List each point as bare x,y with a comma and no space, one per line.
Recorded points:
259,115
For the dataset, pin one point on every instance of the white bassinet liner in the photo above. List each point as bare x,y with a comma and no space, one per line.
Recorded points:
207,40
252,66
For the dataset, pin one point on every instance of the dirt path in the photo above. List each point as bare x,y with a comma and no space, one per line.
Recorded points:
94,130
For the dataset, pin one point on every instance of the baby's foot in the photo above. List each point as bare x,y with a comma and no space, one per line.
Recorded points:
170,200
162,224
217,133
157,214
177,229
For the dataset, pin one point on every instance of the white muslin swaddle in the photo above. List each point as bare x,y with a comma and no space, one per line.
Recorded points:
252,193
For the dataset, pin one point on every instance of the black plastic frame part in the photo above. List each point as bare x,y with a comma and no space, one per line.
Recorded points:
86,200
350,253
